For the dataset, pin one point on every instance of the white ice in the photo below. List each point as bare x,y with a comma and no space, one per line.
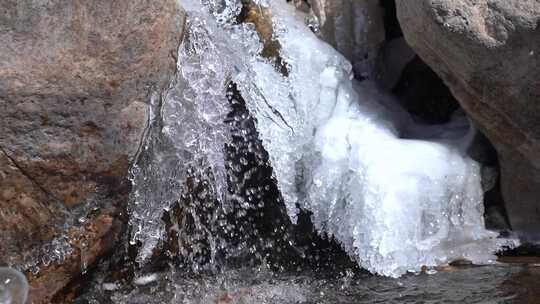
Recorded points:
394,204
339,148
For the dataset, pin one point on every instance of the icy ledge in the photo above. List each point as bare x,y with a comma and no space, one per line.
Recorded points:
396,205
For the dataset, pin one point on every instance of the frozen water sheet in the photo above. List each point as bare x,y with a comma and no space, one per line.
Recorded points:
395,204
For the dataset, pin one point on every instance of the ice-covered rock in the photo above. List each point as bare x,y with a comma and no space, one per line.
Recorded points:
395,204
186,136
339,148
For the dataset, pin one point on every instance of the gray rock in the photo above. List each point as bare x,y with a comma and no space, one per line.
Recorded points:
75,77
354,27
488,53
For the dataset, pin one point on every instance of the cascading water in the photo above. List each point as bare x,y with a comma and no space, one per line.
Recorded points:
184,164
338,148
185,138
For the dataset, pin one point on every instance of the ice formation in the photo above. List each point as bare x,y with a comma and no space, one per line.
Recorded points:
186,135
13,286
339,148
394,204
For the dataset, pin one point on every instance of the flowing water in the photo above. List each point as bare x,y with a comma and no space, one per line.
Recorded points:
484,284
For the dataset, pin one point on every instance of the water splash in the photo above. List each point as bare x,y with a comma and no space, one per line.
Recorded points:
13,286
185,140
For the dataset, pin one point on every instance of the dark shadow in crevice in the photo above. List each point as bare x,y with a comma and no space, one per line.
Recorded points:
424,95
391,23
279,242
495,215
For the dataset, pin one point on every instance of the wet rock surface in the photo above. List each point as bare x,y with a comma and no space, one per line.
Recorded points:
87,243
487,52
75,80
354,27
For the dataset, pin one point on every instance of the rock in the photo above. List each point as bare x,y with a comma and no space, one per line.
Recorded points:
488,53
75,80
422,92
261,18
88,243
25,213
354,27
393,57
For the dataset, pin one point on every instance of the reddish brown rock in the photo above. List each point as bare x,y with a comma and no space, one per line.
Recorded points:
75,81
88,243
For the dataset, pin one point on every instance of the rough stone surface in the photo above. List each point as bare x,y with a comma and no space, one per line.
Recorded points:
392,60
75,80
354,27
488,53
25,212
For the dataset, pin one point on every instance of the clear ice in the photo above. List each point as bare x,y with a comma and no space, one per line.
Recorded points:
185,137
398,196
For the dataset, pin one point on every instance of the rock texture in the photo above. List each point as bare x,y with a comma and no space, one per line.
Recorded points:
354,27
75,77
488,53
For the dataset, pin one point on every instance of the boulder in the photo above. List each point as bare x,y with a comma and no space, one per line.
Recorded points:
488,53
394,56
75,80
354,27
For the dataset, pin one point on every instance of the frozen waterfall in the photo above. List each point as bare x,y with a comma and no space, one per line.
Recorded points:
339,148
